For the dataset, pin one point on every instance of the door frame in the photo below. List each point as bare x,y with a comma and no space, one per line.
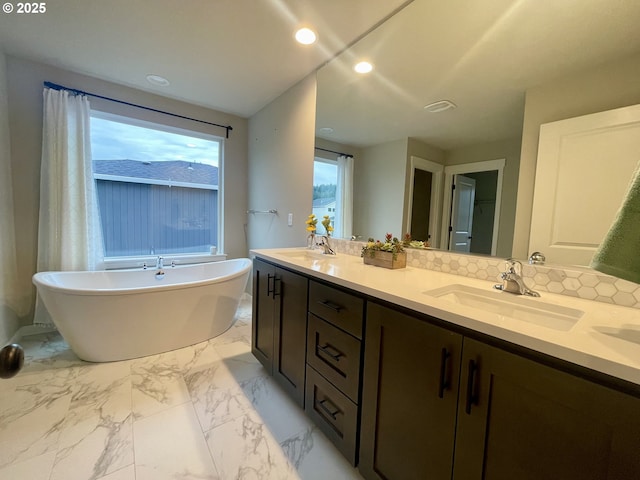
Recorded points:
475,167
437,174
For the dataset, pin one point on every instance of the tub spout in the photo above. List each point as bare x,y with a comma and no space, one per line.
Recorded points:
160,267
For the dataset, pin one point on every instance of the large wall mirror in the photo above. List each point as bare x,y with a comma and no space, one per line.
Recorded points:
456,96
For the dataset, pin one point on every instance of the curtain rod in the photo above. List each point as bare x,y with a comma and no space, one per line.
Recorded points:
55,86
333,151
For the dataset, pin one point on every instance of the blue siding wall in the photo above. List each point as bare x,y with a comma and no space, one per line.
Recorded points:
143,219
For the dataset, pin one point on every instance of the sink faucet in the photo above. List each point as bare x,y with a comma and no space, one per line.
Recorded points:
512,280
326,248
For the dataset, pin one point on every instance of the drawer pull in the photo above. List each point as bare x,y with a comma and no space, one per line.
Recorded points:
443,384
472,398
331,305
329,408
331,351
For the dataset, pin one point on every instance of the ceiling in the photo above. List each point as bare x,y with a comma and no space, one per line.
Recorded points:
481,55
237,56
230,55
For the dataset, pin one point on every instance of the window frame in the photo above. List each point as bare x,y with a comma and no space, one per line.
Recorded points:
137,261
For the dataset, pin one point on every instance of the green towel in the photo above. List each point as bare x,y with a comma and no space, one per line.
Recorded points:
619,252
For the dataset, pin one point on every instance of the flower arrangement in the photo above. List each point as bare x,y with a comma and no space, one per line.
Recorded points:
391,244
311,223
326,222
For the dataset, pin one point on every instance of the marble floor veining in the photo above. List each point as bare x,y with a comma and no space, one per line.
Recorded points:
208,411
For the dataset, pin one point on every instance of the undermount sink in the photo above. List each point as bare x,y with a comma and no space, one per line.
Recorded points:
303,255
526,309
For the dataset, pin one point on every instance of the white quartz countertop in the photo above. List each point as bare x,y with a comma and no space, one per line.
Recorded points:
606,338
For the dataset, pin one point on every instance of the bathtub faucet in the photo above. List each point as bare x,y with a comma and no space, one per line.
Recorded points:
160,267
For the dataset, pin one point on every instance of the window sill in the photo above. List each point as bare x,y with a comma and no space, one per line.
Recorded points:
117,263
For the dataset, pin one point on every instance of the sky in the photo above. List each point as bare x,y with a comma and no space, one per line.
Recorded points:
325,173
116,141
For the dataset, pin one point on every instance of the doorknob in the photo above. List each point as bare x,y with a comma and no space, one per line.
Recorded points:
11,360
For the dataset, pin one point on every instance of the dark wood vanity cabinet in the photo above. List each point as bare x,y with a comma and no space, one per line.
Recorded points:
518,418
409,398
435,402
405,397
334,346
279,327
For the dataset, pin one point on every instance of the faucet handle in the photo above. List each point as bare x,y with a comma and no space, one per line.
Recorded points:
514,266
537,258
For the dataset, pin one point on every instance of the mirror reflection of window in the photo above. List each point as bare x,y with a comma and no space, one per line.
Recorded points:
325,184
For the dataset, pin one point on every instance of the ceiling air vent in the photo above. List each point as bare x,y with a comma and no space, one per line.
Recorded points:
440,106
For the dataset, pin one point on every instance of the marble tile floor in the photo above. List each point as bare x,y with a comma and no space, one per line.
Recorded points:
208,411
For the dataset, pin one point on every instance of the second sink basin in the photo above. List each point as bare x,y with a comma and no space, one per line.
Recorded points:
509,305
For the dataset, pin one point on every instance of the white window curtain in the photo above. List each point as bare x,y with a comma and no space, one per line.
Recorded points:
343,223
68,227
11,304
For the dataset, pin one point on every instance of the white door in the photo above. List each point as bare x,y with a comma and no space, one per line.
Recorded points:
583,169
464,193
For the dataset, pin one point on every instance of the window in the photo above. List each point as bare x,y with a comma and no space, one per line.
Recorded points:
333,192
325,181
158,187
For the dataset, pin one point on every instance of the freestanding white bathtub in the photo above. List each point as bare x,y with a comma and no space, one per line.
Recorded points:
116,315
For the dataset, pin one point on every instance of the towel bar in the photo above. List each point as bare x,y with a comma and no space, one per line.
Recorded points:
272,211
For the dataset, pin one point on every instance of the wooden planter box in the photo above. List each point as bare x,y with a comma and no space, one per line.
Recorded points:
385,259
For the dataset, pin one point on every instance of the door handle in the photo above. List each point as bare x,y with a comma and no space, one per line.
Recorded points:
472,398
277,291
443,384
271,292
269,289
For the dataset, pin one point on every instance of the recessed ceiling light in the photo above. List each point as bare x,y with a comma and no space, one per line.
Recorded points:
157,80
325,130
363,67
306,36
439,106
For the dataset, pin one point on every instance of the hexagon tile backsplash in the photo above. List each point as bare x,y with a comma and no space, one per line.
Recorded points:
574,282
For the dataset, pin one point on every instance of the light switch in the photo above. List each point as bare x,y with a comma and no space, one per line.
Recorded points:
290,220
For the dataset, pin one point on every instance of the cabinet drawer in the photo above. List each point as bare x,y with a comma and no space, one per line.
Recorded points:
335,354
337,307
332,412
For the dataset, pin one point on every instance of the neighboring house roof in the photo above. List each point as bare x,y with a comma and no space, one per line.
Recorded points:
323,202
169,171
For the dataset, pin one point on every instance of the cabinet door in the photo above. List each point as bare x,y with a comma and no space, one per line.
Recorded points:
520,419
262,326
290,332
410,392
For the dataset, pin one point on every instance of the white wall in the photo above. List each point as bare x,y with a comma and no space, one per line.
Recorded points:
25,85
510,151
281,148
9,300
608,86
379,184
